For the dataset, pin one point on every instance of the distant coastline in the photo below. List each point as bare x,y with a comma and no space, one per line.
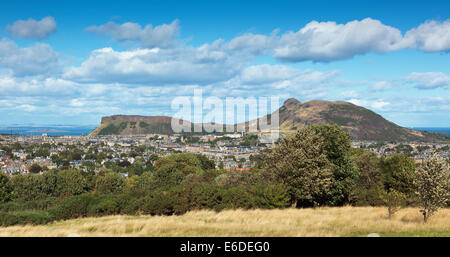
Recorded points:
67,130
50,130
445,130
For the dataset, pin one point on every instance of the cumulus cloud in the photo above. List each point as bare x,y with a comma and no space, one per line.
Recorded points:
329,41
381,85
39,59
428,80
254,44
32,29
281,76
149,37
431,36
378,105
161,66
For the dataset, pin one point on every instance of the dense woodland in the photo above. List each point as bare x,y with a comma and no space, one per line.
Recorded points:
315,167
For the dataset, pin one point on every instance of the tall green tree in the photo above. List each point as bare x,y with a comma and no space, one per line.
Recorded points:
337,147
398,173
369,184
301,163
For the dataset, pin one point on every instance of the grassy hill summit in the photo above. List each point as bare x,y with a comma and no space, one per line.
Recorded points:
361,123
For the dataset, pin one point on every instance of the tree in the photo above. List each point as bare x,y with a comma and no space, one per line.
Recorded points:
35,168
369,184
206,163
432,182
70,182
394,200
186,163
398,173
337,147
300,162
110,182
5,188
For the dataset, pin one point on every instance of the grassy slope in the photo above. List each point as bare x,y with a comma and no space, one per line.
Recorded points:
343,221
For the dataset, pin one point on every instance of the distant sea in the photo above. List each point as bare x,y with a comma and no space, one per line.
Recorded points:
68,130
431,129
50,130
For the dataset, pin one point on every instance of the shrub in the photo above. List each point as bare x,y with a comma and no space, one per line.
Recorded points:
28,205
158,203
103,206
73,207
235,198
128,204
8,219
271,196
25,218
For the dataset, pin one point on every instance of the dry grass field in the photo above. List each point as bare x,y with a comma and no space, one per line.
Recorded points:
327,221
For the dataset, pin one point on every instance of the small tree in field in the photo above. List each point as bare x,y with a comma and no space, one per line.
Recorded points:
394,201
432,182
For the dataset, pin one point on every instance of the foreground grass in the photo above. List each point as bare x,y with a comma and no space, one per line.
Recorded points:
327,221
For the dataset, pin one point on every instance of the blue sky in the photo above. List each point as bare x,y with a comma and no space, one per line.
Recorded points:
72,62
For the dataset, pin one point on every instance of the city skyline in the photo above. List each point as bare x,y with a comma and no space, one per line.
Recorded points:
67,63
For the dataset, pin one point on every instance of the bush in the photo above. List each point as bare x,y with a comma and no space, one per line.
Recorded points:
103,206
159,203
271,196
73,207
235,198
25,218
28,205
128,204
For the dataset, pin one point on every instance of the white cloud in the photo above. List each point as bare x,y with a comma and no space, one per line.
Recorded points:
378,105
328,41
428,80
32,29
431,36
254,44
158,66
381,85
26,107
39,59
349,94
282,76
148,37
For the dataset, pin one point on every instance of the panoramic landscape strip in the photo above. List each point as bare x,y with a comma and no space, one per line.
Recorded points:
252,123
